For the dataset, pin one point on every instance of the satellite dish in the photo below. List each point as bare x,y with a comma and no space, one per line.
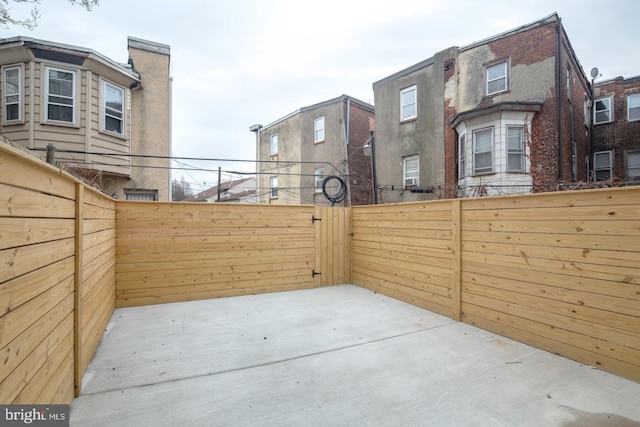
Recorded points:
594,72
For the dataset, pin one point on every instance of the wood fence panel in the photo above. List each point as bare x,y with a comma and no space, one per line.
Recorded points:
37,232
406,251
167,252
558,271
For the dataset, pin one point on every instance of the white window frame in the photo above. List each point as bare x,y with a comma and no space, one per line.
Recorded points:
485,170
635,166
6,95
409,102
635,100
516,152
141,195
411,171
462,156
273,183
607,110
47,102
110,112
318,179
491,80
318,130
609,167
273,144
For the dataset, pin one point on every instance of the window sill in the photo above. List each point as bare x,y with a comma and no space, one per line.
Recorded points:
13,123
318,142
409,120
61,124
112,134
491,95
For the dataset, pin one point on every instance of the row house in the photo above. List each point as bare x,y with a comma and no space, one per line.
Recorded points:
616,131
328,140
103,117
508,114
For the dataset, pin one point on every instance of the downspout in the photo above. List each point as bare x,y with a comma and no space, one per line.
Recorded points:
559,95
348,130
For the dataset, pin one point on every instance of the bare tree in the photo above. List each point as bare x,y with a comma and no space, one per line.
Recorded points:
180,190
6,19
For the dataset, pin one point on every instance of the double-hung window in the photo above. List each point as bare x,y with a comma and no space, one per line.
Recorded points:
483,151
113,108
274,187
410,170
273,144
602,111
602,165
633,165
408,103
12,92
633,107
515,149
462,156
60,95
318,176
318,129
497,78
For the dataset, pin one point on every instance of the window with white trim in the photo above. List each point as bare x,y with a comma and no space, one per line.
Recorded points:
483,151
410,170
408,103
273,144
462,157
113,108
602,165
318,129
60,95
602,111
274,187
633,107
633,165
12,92
318,177
515,149
497,78
141,195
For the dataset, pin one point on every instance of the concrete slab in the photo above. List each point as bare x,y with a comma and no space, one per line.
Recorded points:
331,356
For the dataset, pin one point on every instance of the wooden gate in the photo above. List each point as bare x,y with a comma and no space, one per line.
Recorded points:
333,246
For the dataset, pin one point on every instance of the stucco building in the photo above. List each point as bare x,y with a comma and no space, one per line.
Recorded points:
99,114
298,151
508,114
616,131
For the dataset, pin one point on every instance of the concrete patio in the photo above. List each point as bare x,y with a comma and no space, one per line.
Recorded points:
332,356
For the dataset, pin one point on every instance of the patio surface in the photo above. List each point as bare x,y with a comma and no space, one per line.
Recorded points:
333,356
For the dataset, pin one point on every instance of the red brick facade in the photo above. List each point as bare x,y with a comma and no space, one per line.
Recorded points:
361,122
620,136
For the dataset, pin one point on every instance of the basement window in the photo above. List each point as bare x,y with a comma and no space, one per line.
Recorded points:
141,195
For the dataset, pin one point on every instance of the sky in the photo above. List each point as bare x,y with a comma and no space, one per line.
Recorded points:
244,62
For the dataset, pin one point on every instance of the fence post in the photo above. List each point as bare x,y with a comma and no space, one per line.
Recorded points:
79,246
456,287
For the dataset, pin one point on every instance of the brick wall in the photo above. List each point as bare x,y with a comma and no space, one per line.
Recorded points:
360,176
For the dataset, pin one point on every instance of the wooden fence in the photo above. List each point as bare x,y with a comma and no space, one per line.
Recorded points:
558,271
57,248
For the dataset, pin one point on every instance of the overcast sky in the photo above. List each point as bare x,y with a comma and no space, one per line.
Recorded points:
237,63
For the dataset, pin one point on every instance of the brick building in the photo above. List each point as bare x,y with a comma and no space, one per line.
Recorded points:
298,151
616,130
508,114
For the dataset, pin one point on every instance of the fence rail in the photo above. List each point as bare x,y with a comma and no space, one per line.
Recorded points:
559,271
